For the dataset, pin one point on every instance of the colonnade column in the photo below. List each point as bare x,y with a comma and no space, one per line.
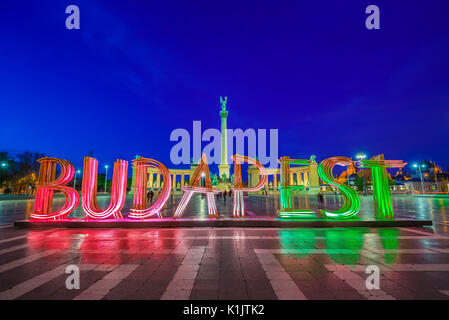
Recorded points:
158,181
150,180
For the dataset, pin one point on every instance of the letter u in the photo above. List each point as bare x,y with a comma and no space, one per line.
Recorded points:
89,190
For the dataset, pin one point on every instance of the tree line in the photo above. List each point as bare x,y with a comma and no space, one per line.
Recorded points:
18,174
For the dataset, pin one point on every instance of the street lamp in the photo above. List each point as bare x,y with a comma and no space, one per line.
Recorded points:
420,174
347,172
106,179
362,156
74,180
4,164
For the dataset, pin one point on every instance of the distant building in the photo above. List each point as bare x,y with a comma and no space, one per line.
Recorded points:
414,185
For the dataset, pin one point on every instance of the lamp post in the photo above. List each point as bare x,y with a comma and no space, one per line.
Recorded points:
74,180
202,183
106,179
362,156
420,174
4,164
435,176
347,173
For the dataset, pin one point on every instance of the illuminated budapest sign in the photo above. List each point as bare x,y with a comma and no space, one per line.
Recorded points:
48,183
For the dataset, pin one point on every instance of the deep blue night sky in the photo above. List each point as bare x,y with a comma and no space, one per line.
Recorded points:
139,69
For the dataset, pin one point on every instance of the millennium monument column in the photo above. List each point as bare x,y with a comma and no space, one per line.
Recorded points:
223,168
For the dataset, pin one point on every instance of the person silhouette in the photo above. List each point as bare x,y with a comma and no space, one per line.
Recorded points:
320,200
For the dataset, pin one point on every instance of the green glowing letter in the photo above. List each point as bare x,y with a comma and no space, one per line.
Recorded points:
381,190
287,186
351,204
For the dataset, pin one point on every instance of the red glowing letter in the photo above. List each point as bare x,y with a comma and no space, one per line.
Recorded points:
201,171
47,183
239,205
140,210
89,189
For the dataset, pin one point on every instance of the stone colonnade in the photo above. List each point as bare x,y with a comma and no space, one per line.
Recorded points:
306,176
155,179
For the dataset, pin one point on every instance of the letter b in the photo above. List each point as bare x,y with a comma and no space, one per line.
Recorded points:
47,184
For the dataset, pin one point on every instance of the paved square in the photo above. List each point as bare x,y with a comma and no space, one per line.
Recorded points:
232,263
223,263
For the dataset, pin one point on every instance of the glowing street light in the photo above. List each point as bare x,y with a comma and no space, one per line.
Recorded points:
420,174
4,164
358,156
74,180
106,179
362,156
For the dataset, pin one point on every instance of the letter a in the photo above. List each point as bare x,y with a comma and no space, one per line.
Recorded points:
72,21
73,280
372,21
201,170
373,280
